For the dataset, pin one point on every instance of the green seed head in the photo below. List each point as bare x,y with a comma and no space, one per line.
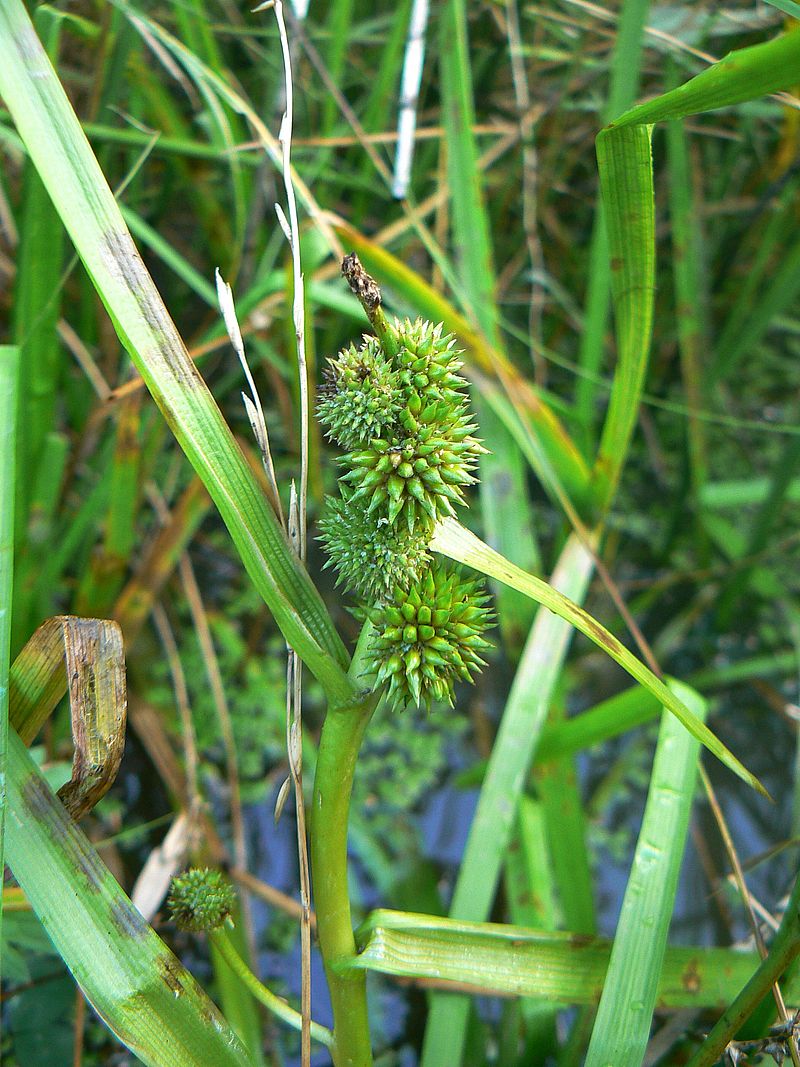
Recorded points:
398,408
429,636
418,476
404,422
371,557
201,899
428,361
361,395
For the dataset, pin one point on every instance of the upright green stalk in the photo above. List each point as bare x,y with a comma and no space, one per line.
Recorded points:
336,762
341,739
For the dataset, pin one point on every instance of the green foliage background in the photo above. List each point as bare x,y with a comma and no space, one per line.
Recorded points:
701,538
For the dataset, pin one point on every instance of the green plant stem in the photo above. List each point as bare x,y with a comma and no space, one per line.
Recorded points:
341,738
271,1001
785,947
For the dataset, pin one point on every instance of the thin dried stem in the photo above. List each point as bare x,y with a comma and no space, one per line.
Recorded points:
167,638
298,526
291,229
738,875
214,675
80,1023
252,403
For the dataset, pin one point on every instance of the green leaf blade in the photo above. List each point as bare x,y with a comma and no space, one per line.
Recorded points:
553,966
624,1017
134,982
452,540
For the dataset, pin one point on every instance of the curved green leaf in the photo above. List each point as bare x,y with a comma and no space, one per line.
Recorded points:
504,960
134,982
451,539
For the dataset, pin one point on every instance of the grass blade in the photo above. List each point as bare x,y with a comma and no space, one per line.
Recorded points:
742,75
9,374
558,787
689,291
131,978
452,540
622,1027
626,182
514,961
625,72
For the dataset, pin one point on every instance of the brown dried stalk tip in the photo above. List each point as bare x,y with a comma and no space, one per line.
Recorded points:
362,284
365,287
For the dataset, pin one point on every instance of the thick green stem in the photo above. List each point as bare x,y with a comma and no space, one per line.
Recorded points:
336,762
341,739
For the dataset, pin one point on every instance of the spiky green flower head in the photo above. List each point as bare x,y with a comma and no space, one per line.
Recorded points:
201,899
416,477
361,396
371,557
430,636
417,471
399,408
428,361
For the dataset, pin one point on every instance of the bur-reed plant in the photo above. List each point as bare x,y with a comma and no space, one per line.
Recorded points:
410,454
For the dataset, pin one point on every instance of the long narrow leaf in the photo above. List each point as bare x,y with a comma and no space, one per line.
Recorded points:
452,540
9,372
625,73
129,975
626,177
622,1027
514,961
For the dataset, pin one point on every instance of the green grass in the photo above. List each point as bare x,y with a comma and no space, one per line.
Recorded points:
640,490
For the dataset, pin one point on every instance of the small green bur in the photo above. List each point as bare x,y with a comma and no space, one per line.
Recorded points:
201,899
